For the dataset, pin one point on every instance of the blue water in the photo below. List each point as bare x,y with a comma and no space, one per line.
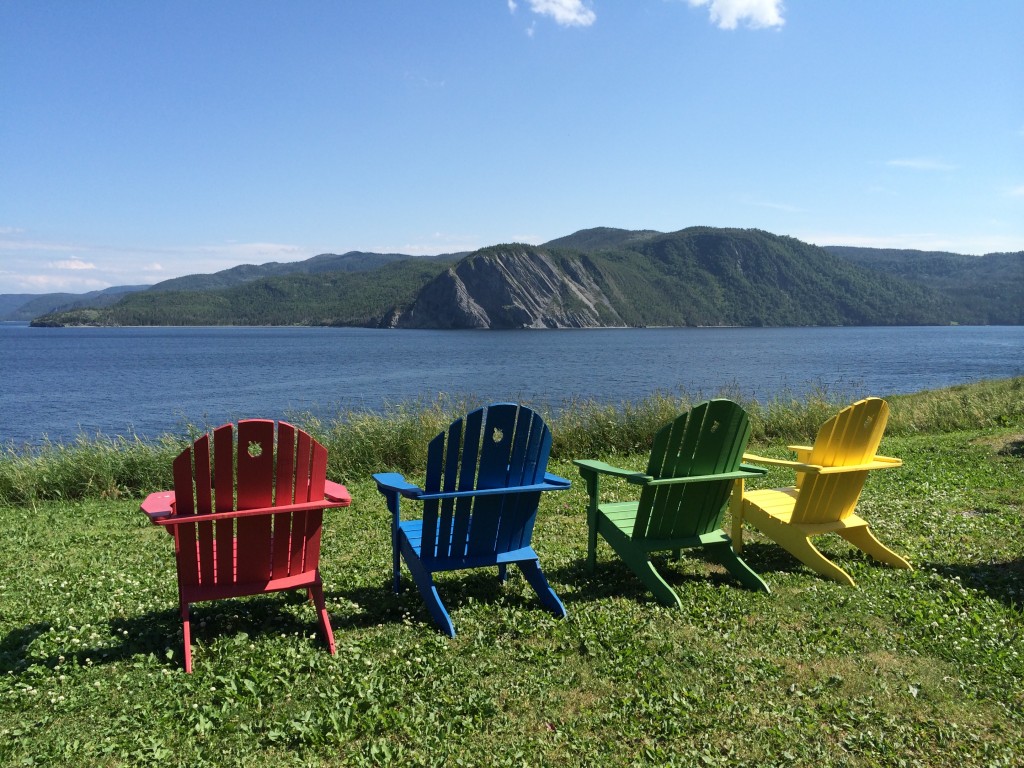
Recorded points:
64,382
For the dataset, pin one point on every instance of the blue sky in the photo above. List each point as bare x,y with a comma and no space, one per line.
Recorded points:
144,140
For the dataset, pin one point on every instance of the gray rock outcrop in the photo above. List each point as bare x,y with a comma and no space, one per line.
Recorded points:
514,286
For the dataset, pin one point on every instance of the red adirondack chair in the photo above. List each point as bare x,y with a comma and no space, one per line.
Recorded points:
249,527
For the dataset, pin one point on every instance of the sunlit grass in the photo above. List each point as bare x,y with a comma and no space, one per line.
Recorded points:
909,668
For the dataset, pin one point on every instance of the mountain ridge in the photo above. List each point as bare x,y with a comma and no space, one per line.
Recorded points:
596,277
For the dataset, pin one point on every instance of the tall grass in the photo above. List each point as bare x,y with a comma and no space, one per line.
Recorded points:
90,467
362,442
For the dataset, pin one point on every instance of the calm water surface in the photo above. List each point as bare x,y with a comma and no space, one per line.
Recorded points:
63,382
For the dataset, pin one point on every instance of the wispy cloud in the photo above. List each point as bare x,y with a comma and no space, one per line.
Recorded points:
921,164
784,207
1017,191
756,14
74,264
31,265
57,283
567,13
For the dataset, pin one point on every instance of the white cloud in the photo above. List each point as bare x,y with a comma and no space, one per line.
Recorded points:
1017,191
921,164
34,266
512,6
54,284
72,264
784,207
728,14
567,13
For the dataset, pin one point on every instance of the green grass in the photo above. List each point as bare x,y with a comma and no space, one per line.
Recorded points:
909,668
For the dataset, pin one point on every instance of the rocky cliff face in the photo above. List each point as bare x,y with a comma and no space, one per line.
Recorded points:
515,286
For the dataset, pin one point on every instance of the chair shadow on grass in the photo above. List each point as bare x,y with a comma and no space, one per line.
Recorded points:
159,633
380,605
613,578
1002,581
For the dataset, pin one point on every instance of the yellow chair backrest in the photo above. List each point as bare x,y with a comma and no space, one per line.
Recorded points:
850,438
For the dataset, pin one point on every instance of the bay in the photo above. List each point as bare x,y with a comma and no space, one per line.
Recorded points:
61,383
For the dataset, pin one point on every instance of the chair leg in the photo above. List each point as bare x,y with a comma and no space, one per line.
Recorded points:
736,508
428,591
502,572
642,566
804,551
396,563
186,626
798,544
535,577
864,539
724,554
591,540
316,594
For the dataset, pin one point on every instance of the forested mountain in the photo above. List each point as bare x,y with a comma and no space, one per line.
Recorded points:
602,239
698,276
987,290
15,306
331,298
353,261
26,306
601,277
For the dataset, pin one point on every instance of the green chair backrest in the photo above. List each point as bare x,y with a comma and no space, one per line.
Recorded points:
710,439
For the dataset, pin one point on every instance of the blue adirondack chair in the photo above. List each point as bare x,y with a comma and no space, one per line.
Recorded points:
485,475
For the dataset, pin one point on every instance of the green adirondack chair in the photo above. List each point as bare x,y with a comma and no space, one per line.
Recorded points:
695,461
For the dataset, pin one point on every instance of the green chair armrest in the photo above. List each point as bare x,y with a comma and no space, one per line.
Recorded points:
740,474
589,466
594,467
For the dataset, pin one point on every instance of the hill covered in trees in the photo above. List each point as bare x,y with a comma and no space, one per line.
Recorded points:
986,290
593,278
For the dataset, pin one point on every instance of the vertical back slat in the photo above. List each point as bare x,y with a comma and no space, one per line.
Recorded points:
649,496
300,482
313,518
284,494
204,531
255,470
438,476
463,465
223,479
184,505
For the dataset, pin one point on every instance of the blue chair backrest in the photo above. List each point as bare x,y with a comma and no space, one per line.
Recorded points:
500,446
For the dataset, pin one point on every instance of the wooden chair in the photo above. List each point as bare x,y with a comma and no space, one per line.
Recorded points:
485,475
829,478
694,464
251,524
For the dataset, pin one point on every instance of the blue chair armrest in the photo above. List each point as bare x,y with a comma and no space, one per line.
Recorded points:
557,481
396,483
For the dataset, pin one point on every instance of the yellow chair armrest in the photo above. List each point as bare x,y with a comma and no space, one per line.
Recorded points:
879,462
798,466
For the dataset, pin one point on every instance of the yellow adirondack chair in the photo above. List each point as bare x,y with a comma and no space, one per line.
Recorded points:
829,478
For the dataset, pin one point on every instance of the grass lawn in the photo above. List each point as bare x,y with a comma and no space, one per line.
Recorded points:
909,668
